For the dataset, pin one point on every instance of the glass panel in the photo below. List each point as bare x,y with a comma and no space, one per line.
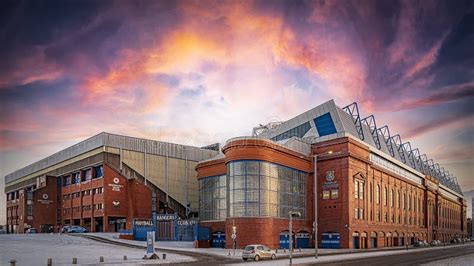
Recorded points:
252,168
239,168
252,182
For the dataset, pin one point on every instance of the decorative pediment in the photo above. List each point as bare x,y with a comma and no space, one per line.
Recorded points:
360,175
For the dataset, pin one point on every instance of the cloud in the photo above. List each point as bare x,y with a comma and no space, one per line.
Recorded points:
445,94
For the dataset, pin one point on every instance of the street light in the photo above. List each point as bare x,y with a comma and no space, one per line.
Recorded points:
315,224
290,229
234,237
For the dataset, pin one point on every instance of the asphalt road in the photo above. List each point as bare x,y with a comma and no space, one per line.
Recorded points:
416,258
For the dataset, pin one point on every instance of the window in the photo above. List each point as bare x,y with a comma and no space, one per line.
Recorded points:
356,189
385,196
385,217
325,194
361,190
88,174
334,193
213,197
391,198
361,213
298,131
263,189
371,192
409,202
67,180
377,196
398,198
99,171
77,178
356,213
325,125
404,201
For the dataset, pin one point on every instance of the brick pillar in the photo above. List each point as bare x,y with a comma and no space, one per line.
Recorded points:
105,222
92,224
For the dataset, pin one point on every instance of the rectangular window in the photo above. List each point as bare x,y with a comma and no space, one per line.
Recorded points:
385,196
361,190
325,194
334,193
356,189
361,213
377,196
391,198
88,174
356,213
99,171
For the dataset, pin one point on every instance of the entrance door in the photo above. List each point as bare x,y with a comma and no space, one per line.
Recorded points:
330,240
355,242
285,240
373,242
302,240
218,240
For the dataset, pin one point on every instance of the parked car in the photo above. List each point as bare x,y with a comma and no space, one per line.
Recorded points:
31,231
74,229
65,228
257,252
419,244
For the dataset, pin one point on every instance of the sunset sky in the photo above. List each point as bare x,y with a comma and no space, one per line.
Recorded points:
199,72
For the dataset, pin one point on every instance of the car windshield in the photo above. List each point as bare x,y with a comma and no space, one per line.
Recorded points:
248,248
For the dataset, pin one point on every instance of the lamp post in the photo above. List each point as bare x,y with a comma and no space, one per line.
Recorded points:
315,176
234,236
144,162
290,229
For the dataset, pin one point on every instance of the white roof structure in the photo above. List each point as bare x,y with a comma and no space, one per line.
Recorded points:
328,121
116,141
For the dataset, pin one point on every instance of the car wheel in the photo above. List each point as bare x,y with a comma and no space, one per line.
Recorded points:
245,259
257,258
273,257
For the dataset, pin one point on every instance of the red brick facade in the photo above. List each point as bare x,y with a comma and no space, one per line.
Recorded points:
104,203
391,210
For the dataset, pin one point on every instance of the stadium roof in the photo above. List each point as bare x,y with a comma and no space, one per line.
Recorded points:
328,121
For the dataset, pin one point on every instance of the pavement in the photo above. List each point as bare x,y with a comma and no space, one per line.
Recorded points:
229,253
35,249
459,255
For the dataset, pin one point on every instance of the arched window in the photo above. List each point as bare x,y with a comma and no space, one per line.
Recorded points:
385,196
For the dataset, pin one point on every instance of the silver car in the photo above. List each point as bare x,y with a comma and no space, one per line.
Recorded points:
257,252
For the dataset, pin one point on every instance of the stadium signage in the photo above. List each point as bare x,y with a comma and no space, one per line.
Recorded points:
143,222
165,217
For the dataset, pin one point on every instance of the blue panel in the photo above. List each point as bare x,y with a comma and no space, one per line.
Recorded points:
330,240
325,125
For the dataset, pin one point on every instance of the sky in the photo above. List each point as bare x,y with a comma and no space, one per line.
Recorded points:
200,72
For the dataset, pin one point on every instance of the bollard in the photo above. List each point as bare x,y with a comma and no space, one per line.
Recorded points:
74,260
164,256
124,257
101,259
50,261
12,262
276,250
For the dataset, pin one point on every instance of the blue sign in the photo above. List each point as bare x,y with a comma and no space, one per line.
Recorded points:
150,242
